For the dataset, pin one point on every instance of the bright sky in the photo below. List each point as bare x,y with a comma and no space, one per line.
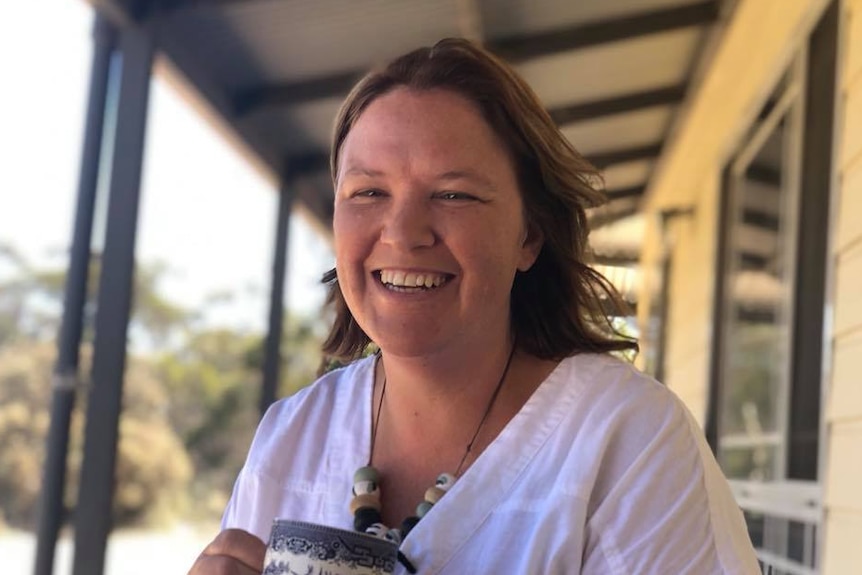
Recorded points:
205,213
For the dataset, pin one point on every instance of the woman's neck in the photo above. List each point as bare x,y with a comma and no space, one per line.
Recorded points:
453,383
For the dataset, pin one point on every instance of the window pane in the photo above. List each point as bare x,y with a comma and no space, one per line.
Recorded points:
755,378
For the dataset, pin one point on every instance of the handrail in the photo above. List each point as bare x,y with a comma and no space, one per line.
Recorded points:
781,502
794,500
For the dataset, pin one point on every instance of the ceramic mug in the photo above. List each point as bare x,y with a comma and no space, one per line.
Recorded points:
300,548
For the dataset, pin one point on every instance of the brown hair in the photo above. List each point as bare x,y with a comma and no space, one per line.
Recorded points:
559,306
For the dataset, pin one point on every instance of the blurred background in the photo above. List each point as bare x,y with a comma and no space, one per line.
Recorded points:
165,210
196,335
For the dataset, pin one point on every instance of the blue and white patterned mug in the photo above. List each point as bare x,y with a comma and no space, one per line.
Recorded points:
299,548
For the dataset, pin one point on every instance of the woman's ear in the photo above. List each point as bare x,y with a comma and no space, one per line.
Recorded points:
532,244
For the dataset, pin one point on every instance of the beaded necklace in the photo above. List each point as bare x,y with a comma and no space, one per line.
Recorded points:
366,503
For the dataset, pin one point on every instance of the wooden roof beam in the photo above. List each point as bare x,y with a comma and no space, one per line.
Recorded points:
602,160
669,95
621,193
622,260
607,216
524,47
294,93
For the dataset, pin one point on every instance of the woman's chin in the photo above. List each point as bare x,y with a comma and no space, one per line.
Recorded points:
410,344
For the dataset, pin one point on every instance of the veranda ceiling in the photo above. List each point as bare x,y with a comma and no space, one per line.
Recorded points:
612,73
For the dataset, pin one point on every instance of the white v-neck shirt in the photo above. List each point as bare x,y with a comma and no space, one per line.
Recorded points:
602,471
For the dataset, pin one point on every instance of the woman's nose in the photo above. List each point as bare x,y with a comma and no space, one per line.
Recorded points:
408,225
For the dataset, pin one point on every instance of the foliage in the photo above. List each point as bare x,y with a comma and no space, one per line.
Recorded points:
189,407
213,392
214,384
24,397
153,468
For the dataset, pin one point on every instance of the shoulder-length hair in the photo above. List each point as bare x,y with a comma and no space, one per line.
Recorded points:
560,306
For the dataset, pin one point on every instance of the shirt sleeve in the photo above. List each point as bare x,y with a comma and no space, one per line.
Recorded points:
661,503
251,505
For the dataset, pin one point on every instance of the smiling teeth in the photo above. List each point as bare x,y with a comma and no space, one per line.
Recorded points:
409,279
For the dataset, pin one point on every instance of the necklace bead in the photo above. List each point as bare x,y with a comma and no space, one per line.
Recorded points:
365,517
365,500
408,524
377,529
423,508
445,481
365,487
393,535
366,473
433,494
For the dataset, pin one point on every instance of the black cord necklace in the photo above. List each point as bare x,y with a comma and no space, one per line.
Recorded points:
366,503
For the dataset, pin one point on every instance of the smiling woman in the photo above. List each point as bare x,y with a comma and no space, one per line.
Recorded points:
425,187
494,402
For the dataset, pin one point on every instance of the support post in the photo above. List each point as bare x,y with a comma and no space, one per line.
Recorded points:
52,511
272,352
93,513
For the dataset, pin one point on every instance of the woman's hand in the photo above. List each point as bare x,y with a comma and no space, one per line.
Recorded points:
232,552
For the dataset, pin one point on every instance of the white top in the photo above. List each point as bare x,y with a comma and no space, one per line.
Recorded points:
602,471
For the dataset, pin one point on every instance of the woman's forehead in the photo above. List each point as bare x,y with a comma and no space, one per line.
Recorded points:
407,107
436,125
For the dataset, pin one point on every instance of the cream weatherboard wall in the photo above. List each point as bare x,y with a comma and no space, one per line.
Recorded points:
753,50
843,472
693,241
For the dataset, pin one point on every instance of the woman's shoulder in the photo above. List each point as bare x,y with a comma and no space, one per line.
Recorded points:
650,470
610,383
312,414
321,395
618,409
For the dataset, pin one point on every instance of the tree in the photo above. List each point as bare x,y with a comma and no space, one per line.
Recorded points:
153,468
25,372
190,403
214,381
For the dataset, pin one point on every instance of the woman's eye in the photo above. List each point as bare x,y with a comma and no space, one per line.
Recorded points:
455,196
368,193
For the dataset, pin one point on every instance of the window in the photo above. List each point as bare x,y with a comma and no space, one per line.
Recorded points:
764,412
763,191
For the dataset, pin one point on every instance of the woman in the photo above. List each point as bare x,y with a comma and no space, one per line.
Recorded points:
460,239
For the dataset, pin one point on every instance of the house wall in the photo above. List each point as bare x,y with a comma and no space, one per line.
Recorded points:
843,471
754,49
693,241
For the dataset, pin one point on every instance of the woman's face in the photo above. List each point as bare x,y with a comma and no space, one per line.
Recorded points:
429,224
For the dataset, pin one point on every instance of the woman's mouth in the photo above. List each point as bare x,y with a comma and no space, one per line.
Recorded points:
411,282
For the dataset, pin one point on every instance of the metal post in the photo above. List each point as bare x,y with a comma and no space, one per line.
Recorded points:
51,507
664,315
272,354
93,513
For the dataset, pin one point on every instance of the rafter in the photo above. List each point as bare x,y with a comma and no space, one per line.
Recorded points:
294,93
617,105
604,159
605,216
624,260
620,193
524,47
